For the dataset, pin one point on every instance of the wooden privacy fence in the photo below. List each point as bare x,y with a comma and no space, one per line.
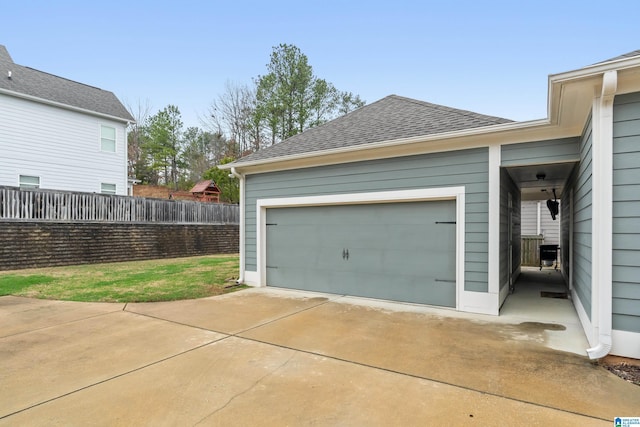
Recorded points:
46,205
531,250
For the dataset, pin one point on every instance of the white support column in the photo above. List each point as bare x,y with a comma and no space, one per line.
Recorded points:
494,222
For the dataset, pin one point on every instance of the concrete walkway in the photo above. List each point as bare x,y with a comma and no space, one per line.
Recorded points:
272,357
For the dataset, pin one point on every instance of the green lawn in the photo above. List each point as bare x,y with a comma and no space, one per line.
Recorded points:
136,281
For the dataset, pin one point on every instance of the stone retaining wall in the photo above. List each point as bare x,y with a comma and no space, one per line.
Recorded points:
47,244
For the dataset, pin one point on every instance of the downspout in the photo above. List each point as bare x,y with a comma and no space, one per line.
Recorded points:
602,217
242,256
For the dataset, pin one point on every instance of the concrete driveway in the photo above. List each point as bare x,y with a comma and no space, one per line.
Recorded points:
272,357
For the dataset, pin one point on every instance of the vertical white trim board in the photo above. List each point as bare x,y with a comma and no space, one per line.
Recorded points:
626,344
494,222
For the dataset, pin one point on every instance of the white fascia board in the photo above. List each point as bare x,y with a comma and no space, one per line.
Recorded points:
64,106
595,70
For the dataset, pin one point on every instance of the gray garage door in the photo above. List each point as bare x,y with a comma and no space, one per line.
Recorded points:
395,251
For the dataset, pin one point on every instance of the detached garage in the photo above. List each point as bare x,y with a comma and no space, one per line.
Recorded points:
410,228
409,201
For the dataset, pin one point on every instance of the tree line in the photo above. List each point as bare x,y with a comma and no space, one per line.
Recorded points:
288,99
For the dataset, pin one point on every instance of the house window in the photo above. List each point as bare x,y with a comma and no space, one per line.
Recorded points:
108,139
107,188
29,181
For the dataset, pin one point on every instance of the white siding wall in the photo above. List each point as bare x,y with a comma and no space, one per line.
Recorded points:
549,228
529,217
62,147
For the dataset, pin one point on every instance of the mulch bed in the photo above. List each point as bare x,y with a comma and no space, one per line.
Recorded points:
627,369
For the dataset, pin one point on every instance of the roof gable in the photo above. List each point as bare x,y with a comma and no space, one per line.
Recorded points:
28,81
388,119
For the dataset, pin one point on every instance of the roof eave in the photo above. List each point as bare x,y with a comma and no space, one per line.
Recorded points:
446,136
596,69
66,106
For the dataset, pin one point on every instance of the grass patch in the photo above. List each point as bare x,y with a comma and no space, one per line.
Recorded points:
136,281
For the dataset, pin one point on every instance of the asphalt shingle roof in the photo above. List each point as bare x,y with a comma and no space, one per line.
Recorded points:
390,118
623,56
47,86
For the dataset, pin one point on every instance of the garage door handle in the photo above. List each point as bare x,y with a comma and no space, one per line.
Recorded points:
345,254
445,222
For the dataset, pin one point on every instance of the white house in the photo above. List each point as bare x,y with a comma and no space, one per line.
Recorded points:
59,134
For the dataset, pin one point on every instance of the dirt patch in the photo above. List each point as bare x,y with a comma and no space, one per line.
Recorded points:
214,290
627,369
537,326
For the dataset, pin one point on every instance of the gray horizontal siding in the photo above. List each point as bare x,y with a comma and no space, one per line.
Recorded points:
582,202
468,168
626,213
507,186
623,322
548,151
565,220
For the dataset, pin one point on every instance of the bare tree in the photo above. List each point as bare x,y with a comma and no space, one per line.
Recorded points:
232,114
136,137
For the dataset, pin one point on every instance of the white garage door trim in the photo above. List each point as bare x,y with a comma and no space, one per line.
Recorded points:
417,195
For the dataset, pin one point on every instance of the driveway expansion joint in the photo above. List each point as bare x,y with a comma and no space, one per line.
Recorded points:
122,374
406,374
235,334
60,324
302,310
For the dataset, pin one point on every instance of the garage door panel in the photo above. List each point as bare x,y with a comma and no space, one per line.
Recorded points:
401,251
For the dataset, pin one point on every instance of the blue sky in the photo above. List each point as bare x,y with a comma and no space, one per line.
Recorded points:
492,57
